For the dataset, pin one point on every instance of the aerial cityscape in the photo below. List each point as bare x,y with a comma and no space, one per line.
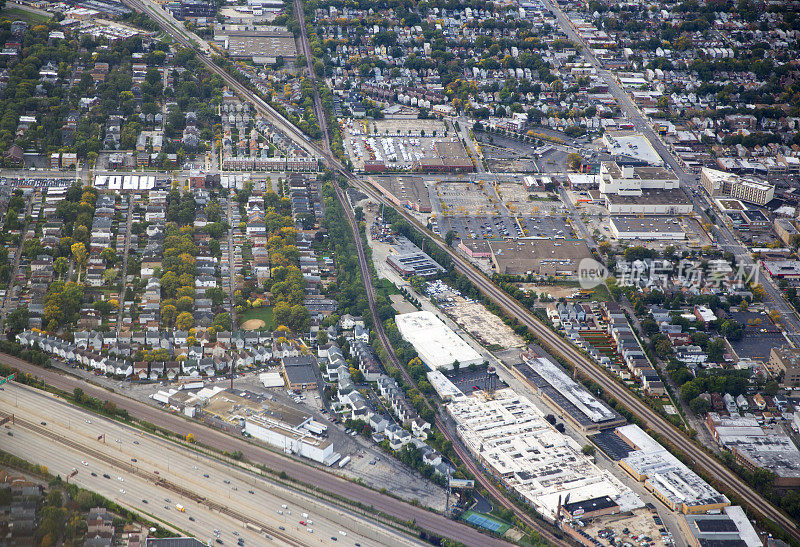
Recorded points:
377,273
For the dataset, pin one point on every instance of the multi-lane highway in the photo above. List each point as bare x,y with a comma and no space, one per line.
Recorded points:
159,477
295,469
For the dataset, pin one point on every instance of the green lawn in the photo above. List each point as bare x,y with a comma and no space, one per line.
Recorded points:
14,14
264,313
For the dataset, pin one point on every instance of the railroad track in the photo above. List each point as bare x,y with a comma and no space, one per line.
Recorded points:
154,479
552,341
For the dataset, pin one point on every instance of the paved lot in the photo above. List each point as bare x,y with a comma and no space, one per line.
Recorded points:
466,380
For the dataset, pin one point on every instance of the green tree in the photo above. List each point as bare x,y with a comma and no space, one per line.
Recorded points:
185,321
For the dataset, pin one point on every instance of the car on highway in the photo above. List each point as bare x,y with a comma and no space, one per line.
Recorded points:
235,533
88,421
10,434
334,538
205,475
220,541
135,442
191,518
106,476
120,479
144,501
250,492
281,528
43,423
121,491
302,523
94,474
134,460
226,481
84,463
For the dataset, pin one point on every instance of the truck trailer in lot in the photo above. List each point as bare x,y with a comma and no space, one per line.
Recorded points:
344,461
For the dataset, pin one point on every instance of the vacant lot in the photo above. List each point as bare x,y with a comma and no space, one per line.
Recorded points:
484,326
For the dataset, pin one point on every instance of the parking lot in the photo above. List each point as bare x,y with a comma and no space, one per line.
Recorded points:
506,227
546,226
480,227
468,380
465,198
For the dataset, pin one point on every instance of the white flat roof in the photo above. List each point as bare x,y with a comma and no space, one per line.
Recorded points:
512,437
436,343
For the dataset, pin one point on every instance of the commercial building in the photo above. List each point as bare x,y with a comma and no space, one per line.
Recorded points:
731,527
647,228
785,229
629,190
557,257
751,190
786,359
651,202
670,481
195,9
511,439
782,269
436,343
634,181
408,260
565,395
631,147
757,447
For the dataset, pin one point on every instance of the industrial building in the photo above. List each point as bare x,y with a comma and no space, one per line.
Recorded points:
751,190
577,405
647,228
291,440
731,527
757,447
557,257
670,481
436,343
444,388
450,158
409,192
300,372
280,426
263,46
510,437
409,260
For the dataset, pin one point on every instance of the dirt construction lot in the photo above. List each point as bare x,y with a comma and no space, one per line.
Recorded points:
484,326
639,524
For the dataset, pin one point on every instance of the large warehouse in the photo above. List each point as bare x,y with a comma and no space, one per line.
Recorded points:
513,440
438,346
647,228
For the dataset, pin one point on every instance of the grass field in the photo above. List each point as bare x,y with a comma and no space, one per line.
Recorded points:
263,313
14,14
